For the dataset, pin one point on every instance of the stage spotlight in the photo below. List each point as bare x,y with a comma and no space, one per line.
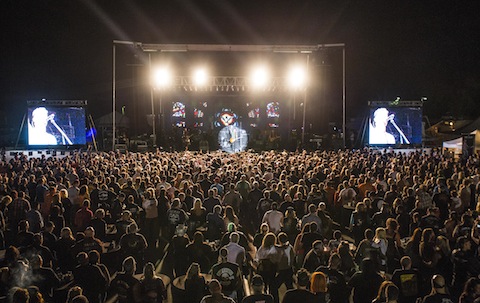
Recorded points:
162,77
297,77
259,77
200,77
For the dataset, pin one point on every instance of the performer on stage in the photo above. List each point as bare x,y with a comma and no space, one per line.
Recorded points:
37,128
186,139
378,128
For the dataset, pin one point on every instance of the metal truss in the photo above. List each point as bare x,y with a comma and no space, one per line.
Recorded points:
396,103
57,102
227,83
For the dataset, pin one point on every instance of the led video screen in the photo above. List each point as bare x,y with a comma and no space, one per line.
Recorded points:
395,126
56,125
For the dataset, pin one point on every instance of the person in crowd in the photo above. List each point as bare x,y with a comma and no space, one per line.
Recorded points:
394,245
20,295
258,292
318,286
197,218
44,278
392,294
266,259
195,285
215,224
465,265
366,282
151,288
133,243
83,216
290,224
359,222
381,244
125,284
365,246
230,216
382,292
90,278
236,253
178,250
37,248
233,198
311,235
88,243
176,216
99,224
286,262
408,280
64,250
258,238
49,238
348,267
317,256
200,252
301,293
73,292
229,274
311,216
273,218
336,284
439,291
35,219
216,294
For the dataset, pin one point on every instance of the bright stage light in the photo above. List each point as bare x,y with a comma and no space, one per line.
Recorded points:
297,77
260,77
200,77
162,77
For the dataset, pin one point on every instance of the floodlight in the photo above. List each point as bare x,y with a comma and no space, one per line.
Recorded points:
297,77
162,77
260,77
200,77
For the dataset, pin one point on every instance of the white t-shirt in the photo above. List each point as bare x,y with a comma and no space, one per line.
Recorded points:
274,220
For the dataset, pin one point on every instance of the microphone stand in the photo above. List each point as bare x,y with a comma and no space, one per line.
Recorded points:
64,135
402,135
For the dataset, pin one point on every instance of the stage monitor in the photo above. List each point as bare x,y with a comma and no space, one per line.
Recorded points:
395,126
56,125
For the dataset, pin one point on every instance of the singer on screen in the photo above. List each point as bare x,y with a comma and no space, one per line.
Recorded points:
378,127
37,128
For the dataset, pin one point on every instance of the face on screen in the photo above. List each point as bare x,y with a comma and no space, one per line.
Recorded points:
395,126
55,125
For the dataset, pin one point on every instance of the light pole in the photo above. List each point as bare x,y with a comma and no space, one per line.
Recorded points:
162,79
344,116
114,96
154,132
304,106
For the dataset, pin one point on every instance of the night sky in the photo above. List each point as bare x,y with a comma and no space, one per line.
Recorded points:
63,49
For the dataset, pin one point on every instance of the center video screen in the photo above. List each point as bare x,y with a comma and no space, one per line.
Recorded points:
395,126
55,125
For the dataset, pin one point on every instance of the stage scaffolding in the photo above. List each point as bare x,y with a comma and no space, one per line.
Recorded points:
228,83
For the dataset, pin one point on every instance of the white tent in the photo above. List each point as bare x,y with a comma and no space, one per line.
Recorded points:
456,145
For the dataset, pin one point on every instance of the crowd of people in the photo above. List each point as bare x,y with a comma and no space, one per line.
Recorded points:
338,226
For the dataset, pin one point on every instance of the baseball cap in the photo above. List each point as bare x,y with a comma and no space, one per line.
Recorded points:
257,280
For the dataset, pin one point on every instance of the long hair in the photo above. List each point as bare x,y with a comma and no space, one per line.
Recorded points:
269,240
382,295
193,271
318,283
